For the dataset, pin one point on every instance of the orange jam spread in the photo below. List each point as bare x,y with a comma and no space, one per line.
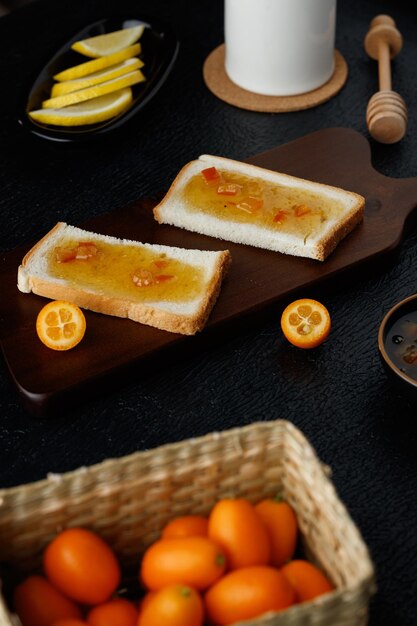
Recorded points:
125,271
246,199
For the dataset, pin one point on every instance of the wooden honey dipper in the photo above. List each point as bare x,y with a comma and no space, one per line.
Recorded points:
386,114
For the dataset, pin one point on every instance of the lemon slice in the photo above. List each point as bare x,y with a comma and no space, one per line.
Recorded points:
67,86
102,45
89,112
83,69
94,92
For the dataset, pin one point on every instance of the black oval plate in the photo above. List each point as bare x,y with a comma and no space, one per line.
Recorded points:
159,51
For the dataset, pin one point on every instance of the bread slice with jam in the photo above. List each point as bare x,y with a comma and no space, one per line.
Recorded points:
250,205
170,288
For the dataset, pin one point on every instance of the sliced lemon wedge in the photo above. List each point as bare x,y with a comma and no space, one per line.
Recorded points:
109,43
83,69
90,112
67,86
94,92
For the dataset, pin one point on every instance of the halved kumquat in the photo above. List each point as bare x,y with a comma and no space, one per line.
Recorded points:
306,323
60,325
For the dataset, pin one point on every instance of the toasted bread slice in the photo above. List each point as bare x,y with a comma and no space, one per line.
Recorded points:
170,288
251,205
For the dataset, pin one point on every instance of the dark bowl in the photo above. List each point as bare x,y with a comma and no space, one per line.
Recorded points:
393,342
159,50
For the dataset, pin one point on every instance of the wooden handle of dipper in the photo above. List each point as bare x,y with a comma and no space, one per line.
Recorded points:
386,114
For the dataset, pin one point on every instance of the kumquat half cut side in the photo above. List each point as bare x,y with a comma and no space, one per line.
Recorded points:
306,323
60,325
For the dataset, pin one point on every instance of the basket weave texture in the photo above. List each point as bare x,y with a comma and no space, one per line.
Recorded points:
128,501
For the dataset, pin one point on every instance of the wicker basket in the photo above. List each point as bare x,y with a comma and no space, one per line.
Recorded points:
128,500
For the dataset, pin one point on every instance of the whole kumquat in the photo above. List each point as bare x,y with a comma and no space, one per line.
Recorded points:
194,561
247,593
81,565
236,527
70,622
38,603
146,598
306,323
281,523
186,526
306,579
174,605
116,612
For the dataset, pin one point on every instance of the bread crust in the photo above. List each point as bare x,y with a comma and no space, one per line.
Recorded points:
169,211
145,313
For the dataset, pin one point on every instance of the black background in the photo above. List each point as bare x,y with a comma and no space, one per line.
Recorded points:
338,394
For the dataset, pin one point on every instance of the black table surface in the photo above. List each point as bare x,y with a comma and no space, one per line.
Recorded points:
338,394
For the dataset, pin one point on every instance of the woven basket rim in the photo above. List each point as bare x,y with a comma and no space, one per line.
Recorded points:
352,592
37,487
171,446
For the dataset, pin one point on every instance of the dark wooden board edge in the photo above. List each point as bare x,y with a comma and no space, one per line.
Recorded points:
390,204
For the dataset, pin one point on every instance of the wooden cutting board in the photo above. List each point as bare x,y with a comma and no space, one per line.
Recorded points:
114,348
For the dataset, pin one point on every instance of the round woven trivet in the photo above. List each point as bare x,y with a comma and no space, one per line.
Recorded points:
220,84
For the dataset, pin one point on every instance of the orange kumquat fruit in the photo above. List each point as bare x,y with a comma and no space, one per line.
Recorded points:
115,612
81,565
70,622
174,605
305,323
194,561
186,526
306,579
60,325
247,593
281,523
237,528
38,603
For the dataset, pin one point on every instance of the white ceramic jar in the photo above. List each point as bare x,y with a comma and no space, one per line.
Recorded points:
280,47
